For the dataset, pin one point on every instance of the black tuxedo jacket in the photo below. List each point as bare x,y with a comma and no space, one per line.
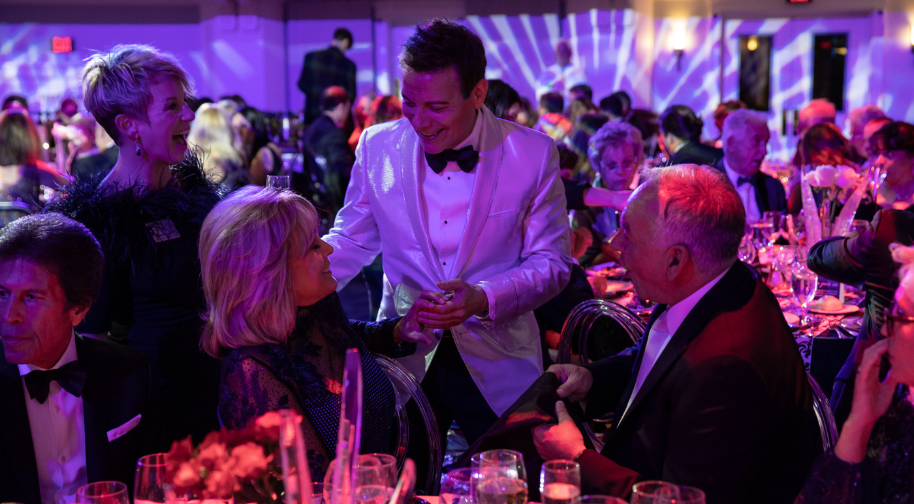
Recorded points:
726,408
769,191
118,388
695,152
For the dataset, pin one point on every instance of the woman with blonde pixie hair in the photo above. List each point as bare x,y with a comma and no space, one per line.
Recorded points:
146,213
274,318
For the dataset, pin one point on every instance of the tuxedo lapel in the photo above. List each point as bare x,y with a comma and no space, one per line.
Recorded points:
15,432
487,170
709,307
94,412
761,193
410,164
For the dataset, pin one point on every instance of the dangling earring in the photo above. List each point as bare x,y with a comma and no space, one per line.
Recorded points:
139,150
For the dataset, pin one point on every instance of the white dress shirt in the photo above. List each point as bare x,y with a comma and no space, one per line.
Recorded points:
447,196
58,436
746,193
662,332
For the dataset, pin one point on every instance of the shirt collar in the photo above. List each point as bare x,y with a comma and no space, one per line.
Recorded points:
69,355
677,313
732,175
680,146
474,139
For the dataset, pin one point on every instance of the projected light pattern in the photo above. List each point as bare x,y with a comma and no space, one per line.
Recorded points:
29,68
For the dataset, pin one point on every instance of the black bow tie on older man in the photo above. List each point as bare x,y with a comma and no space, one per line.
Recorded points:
751,179
71,378
466,159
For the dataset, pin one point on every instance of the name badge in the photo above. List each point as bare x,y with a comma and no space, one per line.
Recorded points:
163,230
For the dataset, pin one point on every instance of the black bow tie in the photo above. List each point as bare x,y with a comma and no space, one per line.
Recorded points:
71,378
746,180
466,158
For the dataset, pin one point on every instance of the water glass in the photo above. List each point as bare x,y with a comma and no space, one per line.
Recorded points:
598,499
560,482
499,477
661,492
103,492
746,250
372,485
803,284
149,483
457,487
778,223
279,181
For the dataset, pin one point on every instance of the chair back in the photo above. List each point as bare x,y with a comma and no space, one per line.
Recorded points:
407,388
598,328
12,210
828,429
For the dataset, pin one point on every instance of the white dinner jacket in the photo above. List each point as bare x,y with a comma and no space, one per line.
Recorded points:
516,244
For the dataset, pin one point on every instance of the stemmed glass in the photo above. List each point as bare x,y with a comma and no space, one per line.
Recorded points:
803,284
560,481
373,485
499,477
776,219
103,492
661,492
746,250
149,483
457,487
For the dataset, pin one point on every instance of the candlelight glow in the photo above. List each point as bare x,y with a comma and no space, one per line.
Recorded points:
752,44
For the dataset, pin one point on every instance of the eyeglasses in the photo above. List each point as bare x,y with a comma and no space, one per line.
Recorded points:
893,317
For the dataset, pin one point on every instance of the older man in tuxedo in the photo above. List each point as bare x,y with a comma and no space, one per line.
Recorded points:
469,212
715,395
745,141
74,410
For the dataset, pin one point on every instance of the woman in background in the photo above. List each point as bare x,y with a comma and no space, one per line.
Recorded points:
22,172
262,156
211,132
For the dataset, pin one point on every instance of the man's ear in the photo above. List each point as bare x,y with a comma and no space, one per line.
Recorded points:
127,126
78,313
678,260
479,93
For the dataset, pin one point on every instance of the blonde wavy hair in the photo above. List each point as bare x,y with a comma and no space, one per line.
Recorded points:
212,133
245,246
119,82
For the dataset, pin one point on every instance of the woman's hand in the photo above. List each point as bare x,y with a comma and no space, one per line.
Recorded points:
408,328
871,400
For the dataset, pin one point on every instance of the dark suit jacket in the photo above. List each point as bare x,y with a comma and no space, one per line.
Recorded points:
324,139
865,260
726,408
118,388
322,69
695,152
769,191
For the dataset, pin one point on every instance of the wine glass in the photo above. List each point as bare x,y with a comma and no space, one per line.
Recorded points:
499,477
803,283
598,499
746,250
103,492
560,482
457,487
777,222
661,492
279,181
372,486
149,483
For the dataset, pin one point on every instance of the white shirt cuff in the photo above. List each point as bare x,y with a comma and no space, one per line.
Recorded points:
488,319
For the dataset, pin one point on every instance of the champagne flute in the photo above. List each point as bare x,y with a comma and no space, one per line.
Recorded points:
457,487
560,482
149,483
499,477
103,492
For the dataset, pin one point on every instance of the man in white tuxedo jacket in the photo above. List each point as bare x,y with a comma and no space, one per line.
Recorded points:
469,212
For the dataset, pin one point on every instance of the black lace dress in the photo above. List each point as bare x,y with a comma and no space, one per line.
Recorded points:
306,374
885,476
152,297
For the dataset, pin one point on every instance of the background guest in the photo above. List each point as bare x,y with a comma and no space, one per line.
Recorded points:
821,145
75,410
147,214
503,100
745,140
681,137
895,142
818,111
327,144
263,157
858,118
871,461
325,68
15,101
22,173
721,113
274,318
211,132
551,121
617,105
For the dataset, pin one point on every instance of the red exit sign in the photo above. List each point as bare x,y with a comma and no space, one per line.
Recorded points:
62,44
